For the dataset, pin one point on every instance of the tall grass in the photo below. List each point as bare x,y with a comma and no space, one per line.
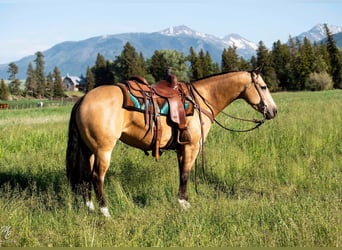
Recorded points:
279,185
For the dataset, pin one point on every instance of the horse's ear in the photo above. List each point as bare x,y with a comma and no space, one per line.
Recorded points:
258,69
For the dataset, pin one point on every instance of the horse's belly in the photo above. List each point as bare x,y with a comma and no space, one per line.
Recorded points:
140,134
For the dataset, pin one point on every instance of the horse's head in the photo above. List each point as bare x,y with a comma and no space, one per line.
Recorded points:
259,97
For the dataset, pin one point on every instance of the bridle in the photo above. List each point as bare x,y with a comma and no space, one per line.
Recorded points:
210,115
258,122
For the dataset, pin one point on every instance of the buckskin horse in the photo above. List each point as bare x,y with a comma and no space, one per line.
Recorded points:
98,120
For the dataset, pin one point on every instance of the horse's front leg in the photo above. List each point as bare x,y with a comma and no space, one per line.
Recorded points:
186,158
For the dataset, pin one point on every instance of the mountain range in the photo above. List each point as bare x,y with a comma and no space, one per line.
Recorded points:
73,57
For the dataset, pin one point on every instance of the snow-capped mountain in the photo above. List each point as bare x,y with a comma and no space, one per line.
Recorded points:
182,30
236,40
75,57
239,42
244,47
317,33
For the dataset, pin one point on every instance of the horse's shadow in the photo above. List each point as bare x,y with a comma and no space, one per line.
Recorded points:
41,181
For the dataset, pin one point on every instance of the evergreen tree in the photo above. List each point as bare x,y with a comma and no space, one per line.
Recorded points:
304,62
244,64
90,80
264,59
14,85
4,91
320,58
49,86
102,71
39,74
335,59
129,63
162,60
157,65
31,81
58,90
293,71
282,64
229,59
142,66
193,59
209,67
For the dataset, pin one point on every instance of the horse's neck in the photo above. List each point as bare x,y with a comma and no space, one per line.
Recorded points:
219,91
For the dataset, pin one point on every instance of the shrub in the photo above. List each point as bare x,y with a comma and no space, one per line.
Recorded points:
319,81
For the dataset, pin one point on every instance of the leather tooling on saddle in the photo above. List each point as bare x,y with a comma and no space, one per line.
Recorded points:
167,97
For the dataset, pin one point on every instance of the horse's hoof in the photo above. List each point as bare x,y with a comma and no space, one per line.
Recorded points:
184,204
105,212
90,205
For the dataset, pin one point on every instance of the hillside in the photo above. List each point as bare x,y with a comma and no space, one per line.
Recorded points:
73,57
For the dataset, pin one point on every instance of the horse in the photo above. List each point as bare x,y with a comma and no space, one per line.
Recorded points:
98,120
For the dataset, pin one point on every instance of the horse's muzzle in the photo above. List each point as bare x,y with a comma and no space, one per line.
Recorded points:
270,113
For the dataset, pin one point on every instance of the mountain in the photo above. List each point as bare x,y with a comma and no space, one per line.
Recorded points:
75,57
317,33
338,39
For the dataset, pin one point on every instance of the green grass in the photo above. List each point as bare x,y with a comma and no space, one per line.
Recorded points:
279,185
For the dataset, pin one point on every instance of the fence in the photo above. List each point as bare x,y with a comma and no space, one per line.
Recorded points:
38,103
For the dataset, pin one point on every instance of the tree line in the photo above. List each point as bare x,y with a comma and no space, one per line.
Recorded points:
37,84
295,65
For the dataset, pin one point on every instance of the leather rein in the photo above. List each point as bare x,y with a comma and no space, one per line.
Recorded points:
210,115
258,122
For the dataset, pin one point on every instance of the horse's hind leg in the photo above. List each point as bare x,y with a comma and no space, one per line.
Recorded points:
87,186
102,161
87,162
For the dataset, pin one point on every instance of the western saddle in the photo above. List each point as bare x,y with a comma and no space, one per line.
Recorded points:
174,92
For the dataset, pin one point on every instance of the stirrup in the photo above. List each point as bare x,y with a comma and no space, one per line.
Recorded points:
183,136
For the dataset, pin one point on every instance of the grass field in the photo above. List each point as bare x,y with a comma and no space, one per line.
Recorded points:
279,185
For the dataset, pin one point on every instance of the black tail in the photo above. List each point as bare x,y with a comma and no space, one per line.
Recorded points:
75,153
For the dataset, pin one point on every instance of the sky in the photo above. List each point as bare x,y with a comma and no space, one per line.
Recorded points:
28,26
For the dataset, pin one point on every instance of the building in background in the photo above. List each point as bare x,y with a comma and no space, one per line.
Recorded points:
73,83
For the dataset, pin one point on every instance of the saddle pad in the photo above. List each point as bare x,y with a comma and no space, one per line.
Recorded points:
132,102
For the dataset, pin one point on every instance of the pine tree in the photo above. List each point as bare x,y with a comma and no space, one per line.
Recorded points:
209,67
335,59
14,85
322,62
129,63
40,75
31,81
294,55
281,61
102,71
4,91
304,62
58,90
229,59
142,66
162,60
264,59
193,59
90,80
49,86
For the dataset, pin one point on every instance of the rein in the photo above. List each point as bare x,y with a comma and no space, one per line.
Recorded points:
210,115
258,123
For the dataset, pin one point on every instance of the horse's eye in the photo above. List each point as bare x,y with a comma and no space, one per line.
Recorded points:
263,87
